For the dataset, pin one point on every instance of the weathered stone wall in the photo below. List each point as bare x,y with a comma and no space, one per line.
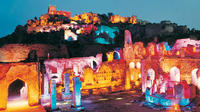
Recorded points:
109,77
19,52
162,66
186,66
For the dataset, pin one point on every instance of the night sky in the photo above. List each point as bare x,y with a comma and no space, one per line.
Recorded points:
182,12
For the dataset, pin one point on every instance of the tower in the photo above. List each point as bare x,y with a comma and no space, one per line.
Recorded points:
128,39
51,9
128,52
128,55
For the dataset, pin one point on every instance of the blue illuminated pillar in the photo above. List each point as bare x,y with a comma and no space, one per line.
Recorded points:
53,94
77,85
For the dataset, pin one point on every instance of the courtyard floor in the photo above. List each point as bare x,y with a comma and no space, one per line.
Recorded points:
128,101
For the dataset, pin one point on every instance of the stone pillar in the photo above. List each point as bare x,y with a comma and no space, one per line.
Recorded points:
67,90
46,96
53,94
77,85
46,85
143,76
67,94
127,80
4,94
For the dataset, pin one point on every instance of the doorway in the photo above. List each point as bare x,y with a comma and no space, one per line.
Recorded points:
17,90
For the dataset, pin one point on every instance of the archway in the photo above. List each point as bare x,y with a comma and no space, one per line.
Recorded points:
116,55
94,65
17,90
151,74
194,76
17,95
26,74
150,77
175,74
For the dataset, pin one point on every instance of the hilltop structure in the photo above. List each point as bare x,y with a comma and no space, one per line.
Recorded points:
52,11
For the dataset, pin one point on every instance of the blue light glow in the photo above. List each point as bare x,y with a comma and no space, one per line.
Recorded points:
77,85
69,39
53,94
110,31
167,47
157,47
184,102
116,55
101,41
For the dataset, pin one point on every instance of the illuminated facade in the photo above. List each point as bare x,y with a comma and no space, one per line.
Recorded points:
74,67
118,19
132,53
169,76
88,18
100,77
165,66
108,78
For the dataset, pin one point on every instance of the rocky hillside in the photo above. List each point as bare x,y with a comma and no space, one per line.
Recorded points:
100,34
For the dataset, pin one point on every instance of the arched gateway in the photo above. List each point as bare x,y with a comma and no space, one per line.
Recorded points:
17,80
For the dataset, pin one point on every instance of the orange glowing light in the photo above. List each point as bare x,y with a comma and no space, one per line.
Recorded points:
106,79
110,56
137,83
133,20
131,76
178,53
75,18
16,104
22,106
115,19
194,49
176,108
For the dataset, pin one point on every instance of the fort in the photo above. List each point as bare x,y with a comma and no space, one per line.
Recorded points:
167,75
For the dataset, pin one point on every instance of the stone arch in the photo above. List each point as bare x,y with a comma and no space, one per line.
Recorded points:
94,64
194,76
138,65
116,55
150,77
151,73
28,73
132,65
15,89
70,36
175,74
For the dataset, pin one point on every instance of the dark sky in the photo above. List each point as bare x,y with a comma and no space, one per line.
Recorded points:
182,12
